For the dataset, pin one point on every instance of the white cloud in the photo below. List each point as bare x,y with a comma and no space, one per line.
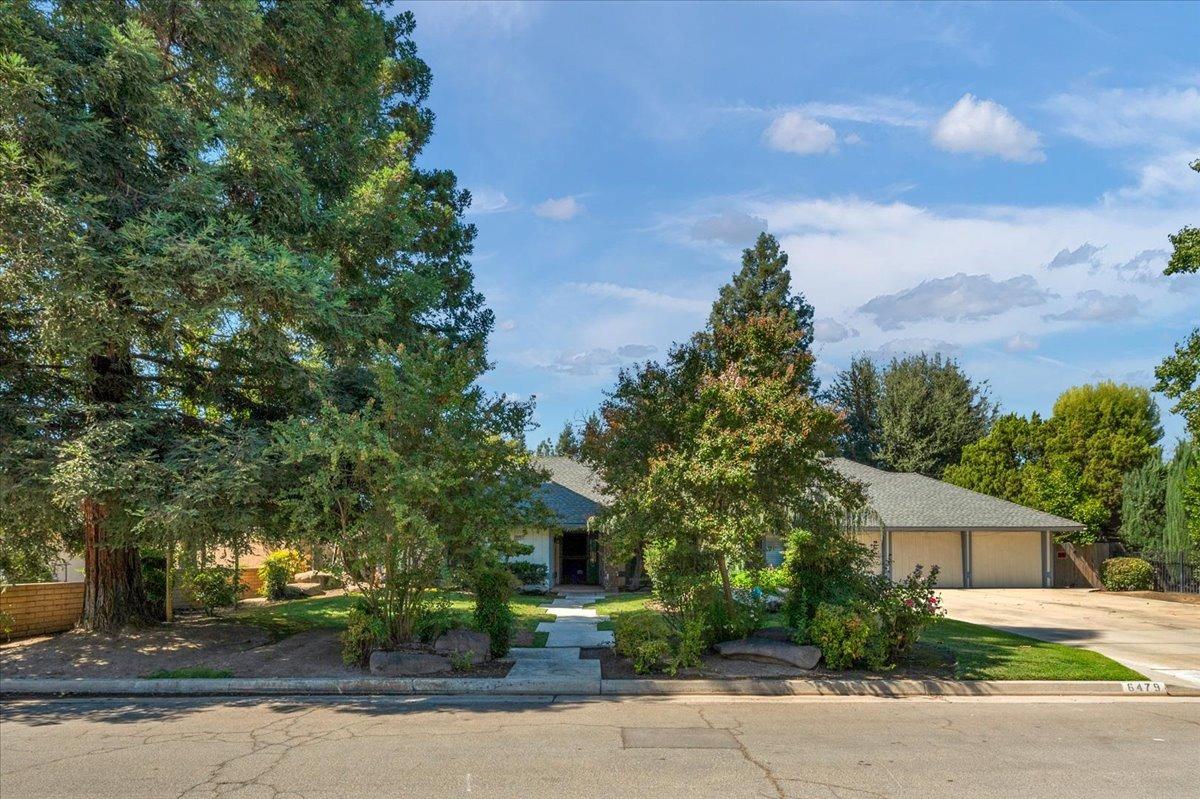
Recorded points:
507,326
643,297
486,200
1020,343
1155,117
832,331
984,127
891,111
1083,254
1165,175
586,362
793,132
1096,306
559,208
951,299
899,347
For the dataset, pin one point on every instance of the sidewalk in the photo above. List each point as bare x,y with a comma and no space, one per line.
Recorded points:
558,665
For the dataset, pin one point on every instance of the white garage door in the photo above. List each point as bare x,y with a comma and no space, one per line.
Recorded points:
929,549
1006,560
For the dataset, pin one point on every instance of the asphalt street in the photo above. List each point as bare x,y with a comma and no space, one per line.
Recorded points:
643,747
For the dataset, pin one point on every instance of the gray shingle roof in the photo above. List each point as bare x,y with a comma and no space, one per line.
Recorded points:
573,493
904,500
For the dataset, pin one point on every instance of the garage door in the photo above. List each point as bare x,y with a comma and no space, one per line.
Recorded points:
872,540
1006,560
928,549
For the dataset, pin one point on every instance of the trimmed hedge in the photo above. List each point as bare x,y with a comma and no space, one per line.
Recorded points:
1127,574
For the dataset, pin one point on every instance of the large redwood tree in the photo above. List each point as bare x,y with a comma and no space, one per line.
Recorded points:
210,215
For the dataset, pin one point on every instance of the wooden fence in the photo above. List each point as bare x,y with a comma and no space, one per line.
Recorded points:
1078,566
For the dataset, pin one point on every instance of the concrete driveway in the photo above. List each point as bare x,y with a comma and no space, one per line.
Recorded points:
1158,638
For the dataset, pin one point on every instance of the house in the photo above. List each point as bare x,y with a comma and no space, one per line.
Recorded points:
977,541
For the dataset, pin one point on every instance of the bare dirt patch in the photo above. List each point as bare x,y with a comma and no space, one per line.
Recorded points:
243,650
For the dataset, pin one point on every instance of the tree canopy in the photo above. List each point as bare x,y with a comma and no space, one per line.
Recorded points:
1074,463
211,224
1179,374
914,415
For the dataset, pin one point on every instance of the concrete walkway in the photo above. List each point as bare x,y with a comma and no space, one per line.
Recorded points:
558,665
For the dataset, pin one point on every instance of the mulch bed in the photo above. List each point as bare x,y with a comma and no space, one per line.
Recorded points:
926,663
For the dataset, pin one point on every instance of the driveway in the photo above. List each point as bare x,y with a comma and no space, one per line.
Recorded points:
1158,638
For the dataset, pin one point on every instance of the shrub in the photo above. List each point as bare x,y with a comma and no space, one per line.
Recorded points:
824,566
848,635
722,623
363,634
435,620
277,571
644,637
493,588
528,573
905,609
212,587
1127,574
767,580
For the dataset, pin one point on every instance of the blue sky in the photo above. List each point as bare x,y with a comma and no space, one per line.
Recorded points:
994,181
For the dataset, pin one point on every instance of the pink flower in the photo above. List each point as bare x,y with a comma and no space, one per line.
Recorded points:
908,603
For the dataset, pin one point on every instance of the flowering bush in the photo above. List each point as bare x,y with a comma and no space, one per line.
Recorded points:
905,609
849,635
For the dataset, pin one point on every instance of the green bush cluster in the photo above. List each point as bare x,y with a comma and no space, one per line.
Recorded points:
856,617
768,580
1127,574
645,638
493,587
435,620
363,634
528,573
277,570
212,587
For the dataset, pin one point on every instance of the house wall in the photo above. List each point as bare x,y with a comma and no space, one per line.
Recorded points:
542,542
40,608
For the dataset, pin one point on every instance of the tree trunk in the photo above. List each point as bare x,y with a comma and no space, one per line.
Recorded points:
113,593
725,584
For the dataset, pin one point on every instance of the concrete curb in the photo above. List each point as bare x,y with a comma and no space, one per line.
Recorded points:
391,686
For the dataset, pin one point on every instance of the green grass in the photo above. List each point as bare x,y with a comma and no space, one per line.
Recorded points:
983,653
189,673
299,615
620,603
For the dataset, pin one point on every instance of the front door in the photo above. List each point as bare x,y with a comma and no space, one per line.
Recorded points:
574,569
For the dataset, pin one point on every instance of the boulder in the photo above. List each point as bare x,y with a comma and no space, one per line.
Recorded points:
766,650
299,589
407,663
456,642
773,603
325,579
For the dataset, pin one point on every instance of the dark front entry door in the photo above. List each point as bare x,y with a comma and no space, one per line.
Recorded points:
574,558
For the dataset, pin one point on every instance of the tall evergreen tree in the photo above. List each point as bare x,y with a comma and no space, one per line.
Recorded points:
856,392
209,219
763,287
1143,506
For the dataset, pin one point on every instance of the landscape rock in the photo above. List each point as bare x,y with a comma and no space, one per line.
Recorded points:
478,645
773,603
326,580
404,663
767,650
299,589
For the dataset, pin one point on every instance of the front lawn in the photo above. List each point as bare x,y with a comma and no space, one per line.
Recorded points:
977,652
613,606
288,618
984,653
